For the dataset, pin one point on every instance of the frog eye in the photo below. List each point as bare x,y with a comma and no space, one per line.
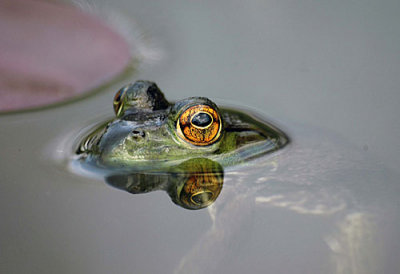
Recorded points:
118,103
199,125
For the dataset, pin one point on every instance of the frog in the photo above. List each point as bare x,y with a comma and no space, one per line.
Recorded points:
149,133
180,147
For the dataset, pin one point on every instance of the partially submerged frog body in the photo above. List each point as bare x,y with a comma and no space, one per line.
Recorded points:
151,134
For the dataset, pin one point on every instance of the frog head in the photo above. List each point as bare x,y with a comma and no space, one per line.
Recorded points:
150,133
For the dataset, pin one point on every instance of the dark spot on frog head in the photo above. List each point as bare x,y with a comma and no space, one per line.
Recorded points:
157,97
148,96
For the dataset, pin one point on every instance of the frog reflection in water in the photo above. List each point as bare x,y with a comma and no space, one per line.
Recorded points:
193,184
153,144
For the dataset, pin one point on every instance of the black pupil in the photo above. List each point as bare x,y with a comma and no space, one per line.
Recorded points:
202,197
202,119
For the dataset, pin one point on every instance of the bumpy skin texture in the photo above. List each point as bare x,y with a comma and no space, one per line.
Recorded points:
148,134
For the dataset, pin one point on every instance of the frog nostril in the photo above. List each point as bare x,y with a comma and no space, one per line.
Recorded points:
138,133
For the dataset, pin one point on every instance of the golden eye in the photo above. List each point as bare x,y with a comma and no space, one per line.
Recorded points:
199,125
118,101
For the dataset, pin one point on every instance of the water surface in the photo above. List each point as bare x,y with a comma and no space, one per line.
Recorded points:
327,203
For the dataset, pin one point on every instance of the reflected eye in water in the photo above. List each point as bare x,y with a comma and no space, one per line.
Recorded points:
193,184
200,185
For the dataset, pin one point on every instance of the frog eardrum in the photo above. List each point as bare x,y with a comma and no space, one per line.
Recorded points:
199,125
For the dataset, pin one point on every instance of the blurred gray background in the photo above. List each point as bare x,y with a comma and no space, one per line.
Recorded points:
331,68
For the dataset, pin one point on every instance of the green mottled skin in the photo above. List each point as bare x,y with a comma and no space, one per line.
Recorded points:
143,136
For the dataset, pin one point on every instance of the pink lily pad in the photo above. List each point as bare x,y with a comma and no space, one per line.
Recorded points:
50,52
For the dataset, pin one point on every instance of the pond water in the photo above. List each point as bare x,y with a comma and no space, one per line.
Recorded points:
325,73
